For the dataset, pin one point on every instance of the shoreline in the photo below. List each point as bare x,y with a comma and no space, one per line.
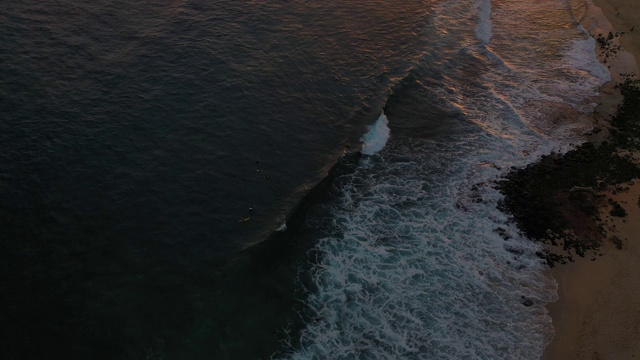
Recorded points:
583,206
597,315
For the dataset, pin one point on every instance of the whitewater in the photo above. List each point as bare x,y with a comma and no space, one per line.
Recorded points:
413,259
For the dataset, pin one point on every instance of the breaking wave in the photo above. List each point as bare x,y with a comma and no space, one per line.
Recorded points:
414,260
377,136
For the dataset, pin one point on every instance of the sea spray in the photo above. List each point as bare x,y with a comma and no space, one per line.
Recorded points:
377,136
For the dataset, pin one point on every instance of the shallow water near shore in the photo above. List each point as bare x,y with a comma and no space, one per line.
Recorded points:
151,147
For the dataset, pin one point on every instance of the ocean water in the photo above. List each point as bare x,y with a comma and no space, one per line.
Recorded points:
164,190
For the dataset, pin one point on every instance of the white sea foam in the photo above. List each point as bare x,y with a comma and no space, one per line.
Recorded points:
484,29
282,227
581,56
413,267
377,136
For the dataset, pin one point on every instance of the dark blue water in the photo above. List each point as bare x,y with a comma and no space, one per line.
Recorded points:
135,138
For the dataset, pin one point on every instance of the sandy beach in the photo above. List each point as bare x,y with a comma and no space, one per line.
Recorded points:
597,315
624,15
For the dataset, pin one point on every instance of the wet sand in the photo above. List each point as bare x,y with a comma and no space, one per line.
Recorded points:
624,15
